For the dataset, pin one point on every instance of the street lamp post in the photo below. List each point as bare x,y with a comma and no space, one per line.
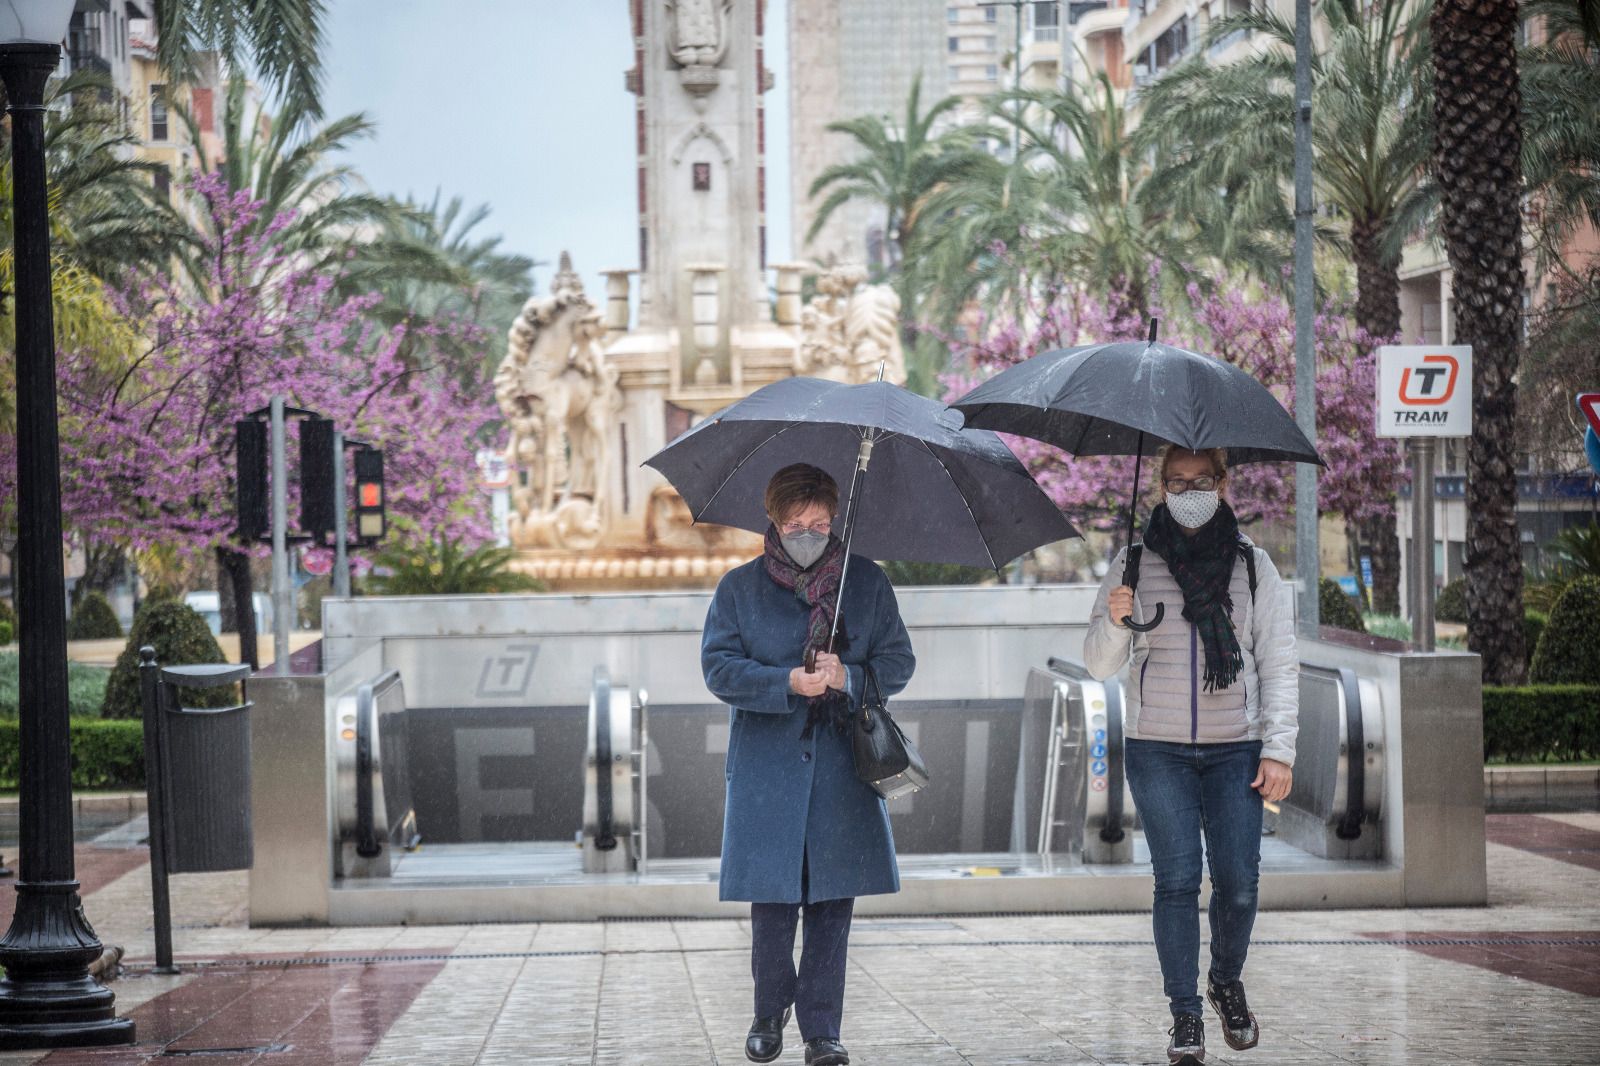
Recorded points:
47,998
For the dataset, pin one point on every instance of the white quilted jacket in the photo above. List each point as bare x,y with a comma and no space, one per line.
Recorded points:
1164,698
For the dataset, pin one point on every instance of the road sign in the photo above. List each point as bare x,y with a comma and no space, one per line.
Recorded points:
1425,390
1589,404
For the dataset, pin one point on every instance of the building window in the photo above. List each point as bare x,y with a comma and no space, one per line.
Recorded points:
702,177
990,14
989,44
158,113
1163,52
1047,14
952,14
991,73
954,44
955,74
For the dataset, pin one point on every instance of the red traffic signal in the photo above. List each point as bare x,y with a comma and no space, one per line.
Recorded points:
370,521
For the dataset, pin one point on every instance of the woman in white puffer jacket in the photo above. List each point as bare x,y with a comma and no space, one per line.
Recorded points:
1212,703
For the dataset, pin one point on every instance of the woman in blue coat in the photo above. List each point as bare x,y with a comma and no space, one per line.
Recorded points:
800,831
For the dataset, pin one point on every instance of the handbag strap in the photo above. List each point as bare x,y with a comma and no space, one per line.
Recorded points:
872,687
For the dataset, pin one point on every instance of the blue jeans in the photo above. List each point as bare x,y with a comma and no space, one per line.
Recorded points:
1184,792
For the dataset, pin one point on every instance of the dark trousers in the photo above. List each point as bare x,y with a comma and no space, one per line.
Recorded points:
1185,792
817,990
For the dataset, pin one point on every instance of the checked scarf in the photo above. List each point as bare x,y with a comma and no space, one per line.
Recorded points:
817,588
1202,565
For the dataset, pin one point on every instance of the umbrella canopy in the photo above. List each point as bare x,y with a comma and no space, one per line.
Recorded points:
933,492
1131,397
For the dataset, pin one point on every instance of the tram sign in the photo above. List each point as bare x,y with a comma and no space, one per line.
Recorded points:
1425,390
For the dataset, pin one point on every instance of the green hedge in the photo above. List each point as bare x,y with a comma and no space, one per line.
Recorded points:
105,753
1539,723
86,687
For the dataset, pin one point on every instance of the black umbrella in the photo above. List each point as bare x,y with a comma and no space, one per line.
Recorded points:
1132,397
941,493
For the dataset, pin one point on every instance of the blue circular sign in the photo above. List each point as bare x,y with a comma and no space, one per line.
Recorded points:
1098,769
1100,736
1098,751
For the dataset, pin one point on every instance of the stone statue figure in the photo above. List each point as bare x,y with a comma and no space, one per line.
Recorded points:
849,328
698,35
559,398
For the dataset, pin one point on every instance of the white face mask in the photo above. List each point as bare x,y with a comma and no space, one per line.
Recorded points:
805,547
1194,508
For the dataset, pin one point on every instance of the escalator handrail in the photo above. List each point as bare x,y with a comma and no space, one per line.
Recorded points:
605,833
1355,757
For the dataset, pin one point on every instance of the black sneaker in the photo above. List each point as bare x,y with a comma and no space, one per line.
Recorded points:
1239,1026
1188,1047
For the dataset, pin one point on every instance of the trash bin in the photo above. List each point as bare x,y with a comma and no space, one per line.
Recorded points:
203,756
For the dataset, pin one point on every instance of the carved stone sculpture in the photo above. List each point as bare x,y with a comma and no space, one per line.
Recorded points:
697,40
849,329
559,398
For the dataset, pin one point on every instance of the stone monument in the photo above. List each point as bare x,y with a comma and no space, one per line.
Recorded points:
589,393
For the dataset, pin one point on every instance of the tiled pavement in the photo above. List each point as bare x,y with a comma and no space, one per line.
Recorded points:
1516,982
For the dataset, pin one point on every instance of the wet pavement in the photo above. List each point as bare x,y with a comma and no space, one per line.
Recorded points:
1516,982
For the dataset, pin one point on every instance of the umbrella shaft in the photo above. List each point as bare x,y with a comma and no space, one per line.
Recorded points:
863,457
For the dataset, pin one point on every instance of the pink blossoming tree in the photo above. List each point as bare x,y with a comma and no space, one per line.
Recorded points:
148,450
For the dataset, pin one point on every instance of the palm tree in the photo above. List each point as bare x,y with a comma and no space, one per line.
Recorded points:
286,161
430,264
1231,128
899,165
1478,160
1560,122
1070,207
282,39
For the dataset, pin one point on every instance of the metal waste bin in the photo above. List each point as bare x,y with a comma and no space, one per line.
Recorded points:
197,780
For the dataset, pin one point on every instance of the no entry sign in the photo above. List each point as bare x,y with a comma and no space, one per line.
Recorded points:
1425,390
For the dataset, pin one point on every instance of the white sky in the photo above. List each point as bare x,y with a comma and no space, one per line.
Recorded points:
519,104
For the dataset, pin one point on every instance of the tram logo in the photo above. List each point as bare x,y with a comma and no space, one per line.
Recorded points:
1424,390
507,675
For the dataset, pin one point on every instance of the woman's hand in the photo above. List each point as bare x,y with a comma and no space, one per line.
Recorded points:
808,683
1119,604
1273,780
829,666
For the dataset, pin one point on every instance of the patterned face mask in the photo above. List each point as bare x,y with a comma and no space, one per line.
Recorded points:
805,547
1194,508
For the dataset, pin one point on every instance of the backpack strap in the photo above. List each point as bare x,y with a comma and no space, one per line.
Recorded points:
1249,552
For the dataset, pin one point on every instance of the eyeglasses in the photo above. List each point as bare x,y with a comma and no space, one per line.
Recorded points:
1205,483
790,529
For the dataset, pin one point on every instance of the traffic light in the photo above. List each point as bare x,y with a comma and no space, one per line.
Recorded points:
318,497
369,495
250,478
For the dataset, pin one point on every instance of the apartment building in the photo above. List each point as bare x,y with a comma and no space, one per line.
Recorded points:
860,57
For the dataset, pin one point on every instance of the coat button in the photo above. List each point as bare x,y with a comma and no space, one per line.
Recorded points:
805,756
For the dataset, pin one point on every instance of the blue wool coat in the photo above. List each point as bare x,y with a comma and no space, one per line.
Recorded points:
791,800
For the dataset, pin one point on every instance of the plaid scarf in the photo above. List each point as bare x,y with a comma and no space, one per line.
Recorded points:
818,588
1202,565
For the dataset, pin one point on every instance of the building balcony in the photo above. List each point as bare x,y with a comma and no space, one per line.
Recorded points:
1103,20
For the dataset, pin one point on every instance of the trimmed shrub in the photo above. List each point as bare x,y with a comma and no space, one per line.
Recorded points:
86,687
1541,723
7,632
1533,626
1337,609
105,754
8,621
1541,596
1566,654
1451,603
180,636
93,619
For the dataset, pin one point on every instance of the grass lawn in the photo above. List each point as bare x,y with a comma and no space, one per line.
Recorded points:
86,687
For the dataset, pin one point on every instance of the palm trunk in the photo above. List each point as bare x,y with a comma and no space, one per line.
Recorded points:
1477,155
1378,313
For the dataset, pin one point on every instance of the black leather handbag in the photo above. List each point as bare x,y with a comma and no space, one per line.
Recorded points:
885,758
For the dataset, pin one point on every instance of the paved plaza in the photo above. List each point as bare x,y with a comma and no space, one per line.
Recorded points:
1514,982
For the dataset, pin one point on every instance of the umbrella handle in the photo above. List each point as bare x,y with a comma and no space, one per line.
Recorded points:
1145,627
